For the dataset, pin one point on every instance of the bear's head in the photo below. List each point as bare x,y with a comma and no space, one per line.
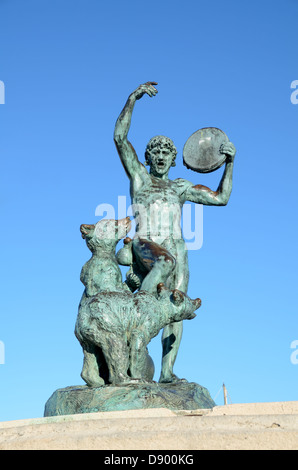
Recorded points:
105,234
183,306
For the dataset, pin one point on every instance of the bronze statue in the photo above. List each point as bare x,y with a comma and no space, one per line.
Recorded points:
158,248
116,320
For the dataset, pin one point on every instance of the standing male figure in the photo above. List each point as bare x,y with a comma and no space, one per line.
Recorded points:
158,244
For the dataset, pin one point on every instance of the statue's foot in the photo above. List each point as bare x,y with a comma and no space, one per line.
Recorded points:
135,381
171,378
93,380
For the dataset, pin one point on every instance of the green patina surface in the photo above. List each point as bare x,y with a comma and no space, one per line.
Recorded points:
116,319
84,399
158,247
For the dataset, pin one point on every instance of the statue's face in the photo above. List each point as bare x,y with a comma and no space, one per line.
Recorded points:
161,159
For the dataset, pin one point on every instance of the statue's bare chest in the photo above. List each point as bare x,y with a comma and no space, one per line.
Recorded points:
156,191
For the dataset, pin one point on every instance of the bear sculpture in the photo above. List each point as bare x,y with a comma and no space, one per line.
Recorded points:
122,324
114,326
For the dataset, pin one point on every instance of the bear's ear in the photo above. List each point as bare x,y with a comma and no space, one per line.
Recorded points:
162,290
160,287
178,297
86,229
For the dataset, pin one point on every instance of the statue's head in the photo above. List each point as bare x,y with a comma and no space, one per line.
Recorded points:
160,155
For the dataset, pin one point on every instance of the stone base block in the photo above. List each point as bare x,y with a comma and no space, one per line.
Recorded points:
84,399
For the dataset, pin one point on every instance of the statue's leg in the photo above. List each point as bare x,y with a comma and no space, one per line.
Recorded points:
171,339
138,356
90,372
172,334
115,351
155,260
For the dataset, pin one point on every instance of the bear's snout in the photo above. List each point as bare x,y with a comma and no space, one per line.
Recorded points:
124,226
125,223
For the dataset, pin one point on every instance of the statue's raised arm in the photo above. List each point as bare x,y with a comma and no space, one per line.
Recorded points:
126,151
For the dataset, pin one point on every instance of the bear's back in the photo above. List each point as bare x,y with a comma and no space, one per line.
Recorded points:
147,312
112,310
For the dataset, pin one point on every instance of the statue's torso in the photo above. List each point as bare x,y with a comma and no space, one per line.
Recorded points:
157,206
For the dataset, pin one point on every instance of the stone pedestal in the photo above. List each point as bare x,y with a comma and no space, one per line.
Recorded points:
84,399
244,426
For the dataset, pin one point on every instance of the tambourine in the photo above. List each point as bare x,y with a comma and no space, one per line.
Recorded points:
201,151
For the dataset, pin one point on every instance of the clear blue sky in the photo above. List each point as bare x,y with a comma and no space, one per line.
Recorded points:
68,67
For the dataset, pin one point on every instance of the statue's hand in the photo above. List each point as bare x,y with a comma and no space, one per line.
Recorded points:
229,150
133,281
148,88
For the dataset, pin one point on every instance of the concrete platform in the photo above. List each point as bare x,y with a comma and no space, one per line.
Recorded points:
252,426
